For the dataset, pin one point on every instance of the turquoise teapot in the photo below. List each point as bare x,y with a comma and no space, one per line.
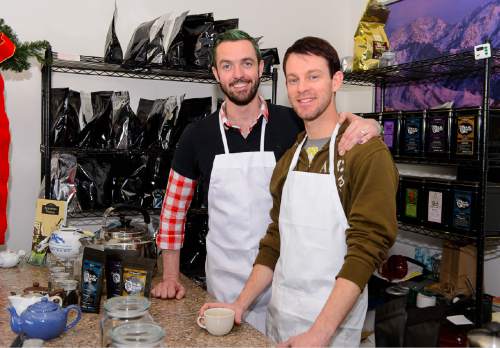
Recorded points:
44,319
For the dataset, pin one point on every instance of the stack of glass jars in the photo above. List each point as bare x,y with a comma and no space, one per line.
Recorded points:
123,310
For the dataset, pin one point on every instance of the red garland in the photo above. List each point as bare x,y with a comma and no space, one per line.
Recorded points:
7,50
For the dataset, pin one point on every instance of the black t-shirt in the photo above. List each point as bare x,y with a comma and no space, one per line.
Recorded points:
202,141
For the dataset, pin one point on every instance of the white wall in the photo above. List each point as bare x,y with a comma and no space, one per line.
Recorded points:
80,27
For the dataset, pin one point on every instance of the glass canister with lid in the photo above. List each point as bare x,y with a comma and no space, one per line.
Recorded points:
138,335
123,309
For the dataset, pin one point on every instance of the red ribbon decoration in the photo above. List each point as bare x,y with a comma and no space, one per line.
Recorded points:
7,49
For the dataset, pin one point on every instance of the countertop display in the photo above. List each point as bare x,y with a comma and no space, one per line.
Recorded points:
177,317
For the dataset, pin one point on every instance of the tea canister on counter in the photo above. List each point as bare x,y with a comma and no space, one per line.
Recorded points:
438,133
412,134
436,205
390,122
121,310
138,335
411,200
467,133
464,210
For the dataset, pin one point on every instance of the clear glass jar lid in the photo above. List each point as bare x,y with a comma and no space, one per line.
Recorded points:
137,335
127,306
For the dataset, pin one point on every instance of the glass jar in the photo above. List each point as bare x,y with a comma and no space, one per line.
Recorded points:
70,287
137,335
57,272
123,309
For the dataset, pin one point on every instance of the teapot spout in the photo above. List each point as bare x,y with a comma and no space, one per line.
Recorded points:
15,320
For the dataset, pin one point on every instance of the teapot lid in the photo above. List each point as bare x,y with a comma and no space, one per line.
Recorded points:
36,288
43,306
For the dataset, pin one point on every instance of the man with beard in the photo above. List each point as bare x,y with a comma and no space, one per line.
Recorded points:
232,154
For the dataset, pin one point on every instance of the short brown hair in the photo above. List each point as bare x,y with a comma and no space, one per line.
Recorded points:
315,46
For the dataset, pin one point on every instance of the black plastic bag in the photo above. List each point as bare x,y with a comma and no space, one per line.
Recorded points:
64,110
198,35
123,133
270,57
62,179
93,183
97,133
160,120
129,177
175,54
174,44
157,169
145,48
224,25
112,49
191,110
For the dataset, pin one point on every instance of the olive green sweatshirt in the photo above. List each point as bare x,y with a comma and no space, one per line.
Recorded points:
367,182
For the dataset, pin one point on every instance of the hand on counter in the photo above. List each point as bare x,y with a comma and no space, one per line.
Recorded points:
238,309
169,289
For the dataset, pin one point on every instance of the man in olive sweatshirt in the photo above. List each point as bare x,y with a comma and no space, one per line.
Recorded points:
333,217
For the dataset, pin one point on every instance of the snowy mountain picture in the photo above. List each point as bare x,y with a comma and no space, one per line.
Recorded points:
423,29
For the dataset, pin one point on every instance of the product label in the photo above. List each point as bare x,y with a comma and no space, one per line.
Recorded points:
465,135
462,209
413,141
114,278
389,126
379,46
435,207
91,274
411,199
134,281
437,136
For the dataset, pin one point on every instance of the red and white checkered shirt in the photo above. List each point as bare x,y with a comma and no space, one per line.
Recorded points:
176,202
179,195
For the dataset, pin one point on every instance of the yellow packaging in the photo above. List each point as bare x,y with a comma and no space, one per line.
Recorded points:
370,39
134,281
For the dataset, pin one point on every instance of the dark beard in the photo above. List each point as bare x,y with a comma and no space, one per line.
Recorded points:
241,101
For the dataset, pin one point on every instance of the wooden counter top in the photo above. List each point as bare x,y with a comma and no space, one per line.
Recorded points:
177,317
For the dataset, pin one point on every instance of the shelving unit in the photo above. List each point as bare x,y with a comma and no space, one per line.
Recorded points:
95,66
454,66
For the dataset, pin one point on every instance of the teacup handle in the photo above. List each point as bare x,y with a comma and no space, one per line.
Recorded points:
201,322
58,298
76,320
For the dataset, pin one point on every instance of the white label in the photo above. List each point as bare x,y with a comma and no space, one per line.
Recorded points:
482,51
435,207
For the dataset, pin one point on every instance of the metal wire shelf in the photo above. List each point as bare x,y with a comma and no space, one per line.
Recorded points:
457,65
95,216
102,152
90,65
459,238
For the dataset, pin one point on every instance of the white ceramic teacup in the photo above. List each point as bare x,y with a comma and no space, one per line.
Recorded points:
217,321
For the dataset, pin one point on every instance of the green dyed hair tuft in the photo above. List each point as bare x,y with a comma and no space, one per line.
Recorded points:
235,35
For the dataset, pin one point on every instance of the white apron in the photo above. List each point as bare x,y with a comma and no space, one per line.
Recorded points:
312,226
239,202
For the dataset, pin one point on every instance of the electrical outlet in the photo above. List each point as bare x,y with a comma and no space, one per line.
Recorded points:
482,51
